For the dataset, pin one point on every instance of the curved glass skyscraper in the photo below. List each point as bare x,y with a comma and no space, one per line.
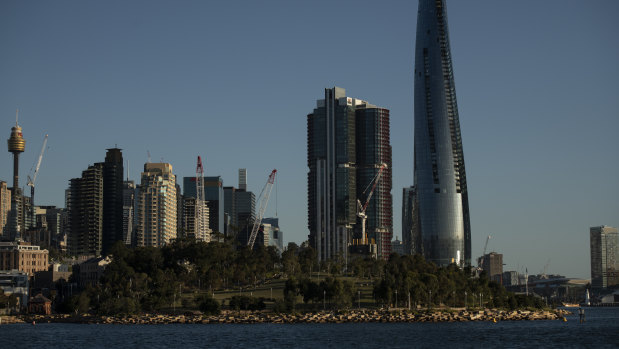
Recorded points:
440,177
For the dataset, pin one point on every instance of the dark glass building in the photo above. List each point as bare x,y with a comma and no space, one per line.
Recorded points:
214,195
440,176
347,141
112,199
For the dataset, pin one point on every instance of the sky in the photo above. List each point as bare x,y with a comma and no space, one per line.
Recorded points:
233,81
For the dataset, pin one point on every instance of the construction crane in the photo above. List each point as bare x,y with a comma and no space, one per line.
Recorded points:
30,181
199,223
361,208
480,259
264,200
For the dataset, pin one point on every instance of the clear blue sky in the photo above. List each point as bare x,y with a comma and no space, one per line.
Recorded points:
537,87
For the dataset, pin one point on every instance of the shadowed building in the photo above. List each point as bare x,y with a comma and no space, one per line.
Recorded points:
440,176
604,243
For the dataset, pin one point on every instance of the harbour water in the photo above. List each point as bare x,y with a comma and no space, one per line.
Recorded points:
601,330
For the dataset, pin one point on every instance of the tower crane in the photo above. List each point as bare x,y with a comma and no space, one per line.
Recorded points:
361,208
199,224
480,259
264,200
30,181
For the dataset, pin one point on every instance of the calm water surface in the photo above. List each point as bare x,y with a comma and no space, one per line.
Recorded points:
600,331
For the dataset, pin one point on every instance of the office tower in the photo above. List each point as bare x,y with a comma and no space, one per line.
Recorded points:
493,265
5,207
440,176
85,206
156,223
276,237
373,148
112,199
245,207
397,246
334,164
604,244
129,194
231,227
214,195
16,145
243,178
410,230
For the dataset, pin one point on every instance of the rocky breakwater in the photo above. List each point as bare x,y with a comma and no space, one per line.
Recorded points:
354,316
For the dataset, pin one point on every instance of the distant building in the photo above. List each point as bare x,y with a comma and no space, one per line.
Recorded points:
410,230
113,188
40,305
348,140
231,227
91,271
493,265
157,206
398,247
276,237
129,217
243,178
245,207
510,278
5,207
214,195
15,282
85,206
604,244
23,257
189,220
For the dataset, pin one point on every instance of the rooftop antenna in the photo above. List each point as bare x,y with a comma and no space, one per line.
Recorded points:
148,153
16,116
127,170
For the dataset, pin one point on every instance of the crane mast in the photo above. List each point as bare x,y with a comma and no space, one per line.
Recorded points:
200,226
361,208
30,181
264,200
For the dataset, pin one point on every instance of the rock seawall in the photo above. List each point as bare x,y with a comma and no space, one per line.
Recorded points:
354,316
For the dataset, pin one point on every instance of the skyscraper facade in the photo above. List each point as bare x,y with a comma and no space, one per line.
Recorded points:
85,206
214,195
347,142
410,231
604,243
5,207
243,178
157,206
112,199
440,176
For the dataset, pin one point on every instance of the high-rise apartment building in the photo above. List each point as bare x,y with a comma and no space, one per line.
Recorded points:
112,199
85,206
347,142
129,194
189,220
5,207
440,176
493,265
214,195
604,243
157,206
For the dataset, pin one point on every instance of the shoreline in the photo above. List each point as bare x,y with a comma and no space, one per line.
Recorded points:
352,316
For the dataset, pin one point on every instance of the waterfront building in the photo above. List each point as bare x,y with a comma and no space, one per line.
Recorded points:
91,271
214,195
157,206
604,244
5,207
17,283
85,207
348,141
492,263
23,256
113,170
440,176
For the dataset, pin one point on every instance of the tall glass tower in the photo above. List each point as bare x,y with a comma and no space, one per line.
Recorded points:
440,177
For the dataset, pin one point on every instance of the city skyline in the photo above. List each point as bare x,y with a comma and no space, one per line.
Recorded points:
537,102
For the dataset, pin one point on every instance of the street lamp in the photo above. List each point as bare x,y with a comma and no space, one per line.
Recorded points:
324,300
464,300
